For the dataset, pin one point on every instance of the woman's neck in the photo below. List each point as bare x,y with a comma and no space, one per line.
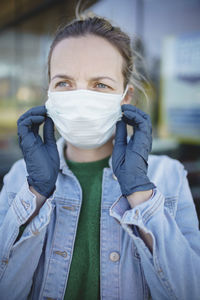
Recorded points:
85,155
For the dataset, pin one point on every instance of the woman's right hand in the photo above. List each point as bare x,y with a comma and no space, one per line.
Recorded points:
41,157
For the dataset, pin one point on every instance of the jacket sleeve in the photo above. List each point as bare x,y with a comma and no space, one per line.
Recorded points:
19,258
172,271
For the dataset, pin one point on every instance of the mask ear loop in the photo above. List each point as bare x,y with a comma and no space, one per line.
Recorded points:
124,93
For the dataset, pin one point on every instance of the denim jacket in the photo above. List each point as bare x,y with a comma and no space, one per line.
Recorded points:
37,265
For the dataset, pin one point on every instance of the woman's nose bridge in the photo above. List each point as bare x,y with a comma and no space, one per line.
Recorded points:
83,79
82,84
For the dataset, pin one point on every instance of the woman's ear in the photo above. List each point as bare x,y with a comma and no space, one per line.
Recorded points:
129,95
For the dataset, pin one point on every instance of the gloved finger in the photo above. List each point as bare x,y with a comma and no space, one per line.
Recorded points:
25,126
129,107
136,120
28,141
35,129
50,141
121,133
141,145
140,142
35,111
120,144
48,132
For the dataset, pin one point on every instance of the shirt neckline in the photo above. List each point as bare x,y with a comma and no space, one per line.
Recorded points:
88,167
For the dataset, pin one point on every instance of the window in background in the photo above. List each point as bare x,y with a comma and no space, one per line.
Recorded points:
26,31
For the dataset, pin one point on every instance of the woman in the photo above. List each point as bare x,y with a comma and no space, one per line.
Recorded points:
94,222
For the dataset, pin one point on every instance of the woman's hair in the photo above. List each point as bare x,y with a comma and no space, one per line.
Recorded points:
91,24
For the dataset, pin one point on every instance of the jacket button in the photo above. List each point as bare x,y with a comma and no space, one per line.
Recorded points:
25,204
114,177
36,232
114,256
5,261
68,207
61,253
136,216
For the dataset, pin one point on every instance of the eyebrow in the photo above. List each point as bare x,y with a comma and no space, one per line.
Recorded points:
64,76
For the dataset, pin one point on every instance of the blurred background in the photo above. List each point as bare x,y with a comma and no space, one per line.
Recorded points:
165,33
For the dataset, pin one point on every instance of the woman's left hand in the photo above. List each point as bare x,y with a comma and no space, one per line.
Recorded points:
129,161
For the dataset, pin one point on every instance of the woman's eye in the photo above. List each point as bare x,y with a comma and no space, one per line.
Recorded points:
62,84
102,85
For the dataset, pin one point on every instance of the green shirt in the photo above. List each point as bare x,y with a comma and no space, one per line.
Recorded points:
84,276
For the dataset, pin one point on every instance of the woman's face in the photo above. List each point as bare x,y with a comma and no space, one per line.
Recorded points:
88,62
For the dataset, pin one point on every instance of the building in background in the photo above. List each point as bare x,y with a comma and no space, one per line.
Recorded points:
26,31
166,33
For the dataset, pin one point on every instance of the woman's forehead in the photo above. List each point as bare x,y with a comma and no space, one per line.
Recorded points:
87,54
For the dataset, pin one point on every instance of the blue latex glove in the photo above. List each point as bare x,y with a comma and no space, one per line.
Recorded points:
42,158
129,161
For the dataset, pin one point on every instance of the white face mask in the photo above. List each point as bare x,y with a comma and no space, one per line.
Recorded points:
85,118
